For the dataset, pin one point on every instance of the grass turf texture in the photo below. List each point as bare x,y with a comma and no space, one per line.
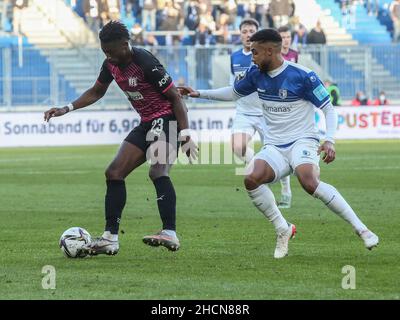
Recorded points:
227,245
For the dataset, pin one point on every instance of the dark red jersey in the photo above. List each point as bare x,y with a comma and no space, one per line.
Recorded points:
292,56
143,81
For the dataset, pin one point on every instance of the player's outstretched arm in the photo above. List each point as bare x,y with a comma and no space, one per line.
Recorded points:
89,97
220,94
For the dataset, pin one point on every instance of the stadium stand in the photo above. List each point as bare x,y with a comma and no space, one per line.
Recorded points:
365,28
58,42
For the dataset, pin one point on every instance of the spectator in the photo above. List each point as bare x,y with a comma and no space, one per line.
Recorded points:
334,92
113,9
91,9
395,15
171,17
228,10
207,19
103,12
137,35
280,11
16,8
204,6
348,8
381,100
249,8
360,100
192,19
223,28
269,20
373,7
299,37
204,36
149,15
172,21
132,8
316,35
292,9
231,10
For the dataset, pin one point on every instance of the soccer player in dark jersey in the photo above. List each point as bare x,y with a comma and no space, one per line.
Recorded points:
287,53
163,124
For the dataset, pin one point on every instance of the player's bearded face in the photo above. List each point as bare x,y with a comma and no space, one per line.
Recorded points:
262,56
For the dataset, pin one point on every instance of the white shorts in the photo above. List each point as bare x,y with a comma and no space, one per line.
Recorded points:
284,161
249,124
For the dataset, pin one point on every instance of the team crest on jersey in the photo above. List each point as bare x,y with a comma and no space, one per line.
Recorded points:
133,82
240,76
282,93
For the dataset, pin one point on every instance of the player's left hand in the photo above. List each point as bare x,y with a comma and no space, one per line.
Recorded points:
190,148
329,151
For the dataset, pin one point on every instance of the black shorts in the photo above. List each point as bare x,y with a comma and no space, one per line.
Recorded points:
164,128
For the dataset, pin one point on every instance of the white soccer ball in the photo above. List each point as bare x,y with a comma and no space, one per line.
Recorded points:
72,241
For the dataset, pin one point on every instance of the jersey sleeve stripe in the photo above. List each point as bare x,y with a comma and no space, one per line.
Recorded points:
237,93
167,88
324,104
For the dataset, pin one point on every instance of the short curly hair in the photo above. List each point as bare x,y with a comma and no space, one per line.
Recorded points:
267,35
112,31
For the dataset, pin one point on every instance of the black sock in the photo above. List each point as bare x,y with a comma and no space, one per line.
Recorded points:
114,204
166,201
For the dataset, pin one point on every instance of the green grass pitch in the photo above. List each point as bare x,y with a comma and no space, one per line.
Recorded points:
227,245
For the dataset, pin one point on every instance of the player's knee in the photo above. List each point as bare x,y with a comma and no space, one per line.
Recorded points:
113,174
309,184
239,149
252,182
157,172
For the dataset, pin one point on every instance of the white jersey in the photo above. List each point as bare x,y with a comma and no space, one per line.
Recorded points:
240,63
288,96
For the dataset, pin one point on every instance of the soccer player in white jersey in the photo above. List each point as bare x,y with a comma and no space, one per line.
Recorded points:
249,116
289,93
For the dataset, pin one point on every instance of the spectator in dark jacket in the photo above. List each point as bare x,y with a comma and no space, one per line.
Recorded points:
316,35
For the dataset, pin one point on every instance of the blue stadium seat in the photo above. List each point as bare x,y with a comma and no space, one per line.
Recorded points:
388,57
344,75
367,29
30,84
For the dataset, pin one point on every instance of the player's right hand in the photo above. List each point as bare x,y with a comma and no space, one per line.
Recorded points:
191,150
188,91
54,112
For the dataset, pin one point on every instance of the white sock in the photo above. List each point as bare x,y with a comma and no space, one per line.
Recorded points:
336,203
264,200
248,155
285,186
170,233
107,235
